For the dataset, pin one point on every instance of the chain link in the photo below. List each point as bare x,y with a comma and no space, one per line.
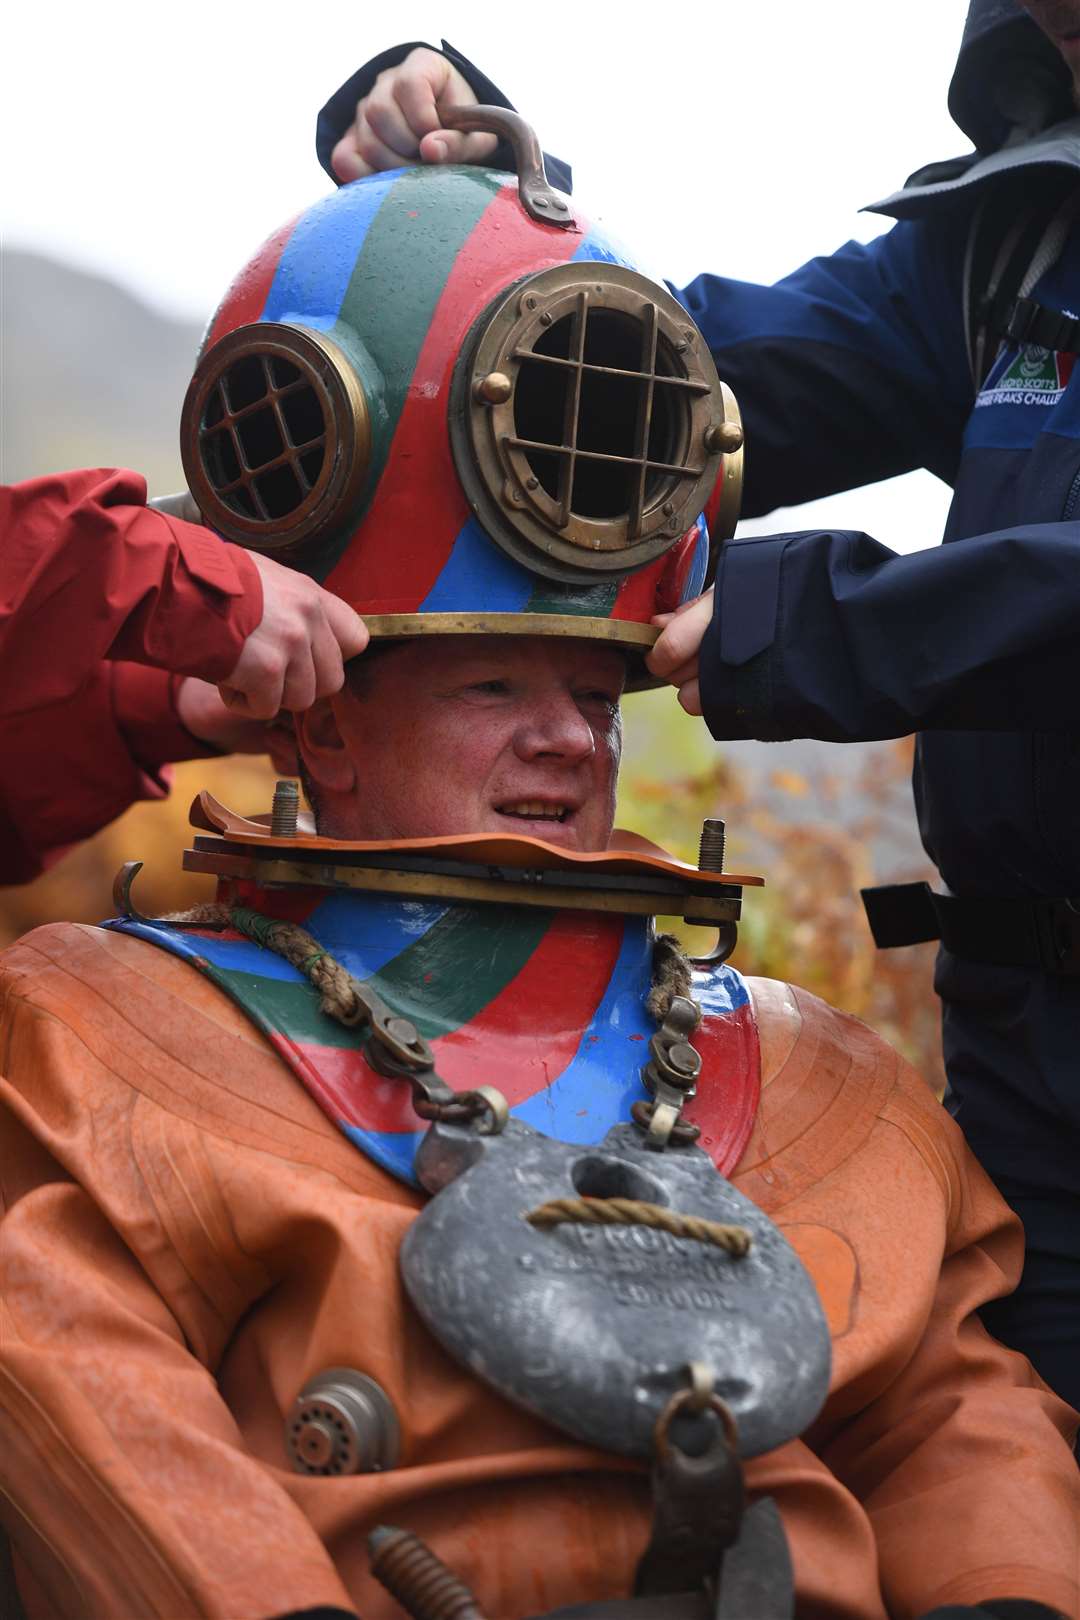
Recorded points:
671,1075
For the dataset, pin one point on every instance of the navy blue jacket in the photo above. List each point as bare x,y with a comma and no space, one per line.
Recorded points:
853,369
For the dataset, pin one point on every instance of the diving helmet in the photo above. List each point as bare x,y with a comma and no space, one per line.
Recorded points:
456,403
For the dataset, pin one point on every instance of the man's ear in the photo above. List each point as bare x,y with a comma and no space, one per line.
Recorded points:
323,748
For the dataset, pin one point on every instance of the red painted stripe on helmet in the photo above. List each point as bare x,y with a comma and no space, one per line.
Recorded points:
561,987
490,1044
246,296
419,495
636,596
288,905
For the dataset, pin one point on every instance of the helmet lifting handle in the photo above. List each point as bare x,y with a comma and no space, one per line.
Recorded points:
537,197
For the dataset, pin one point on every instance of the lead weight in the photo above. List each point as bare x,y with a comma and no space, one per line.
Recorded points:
342,1422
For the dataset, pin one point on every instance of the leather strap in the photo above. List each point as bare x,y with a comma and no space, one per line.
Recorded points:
1041,934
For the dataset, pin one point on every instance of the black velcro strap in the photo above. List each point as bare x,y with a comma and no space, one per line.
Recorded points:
901,914
1029,322
1042,934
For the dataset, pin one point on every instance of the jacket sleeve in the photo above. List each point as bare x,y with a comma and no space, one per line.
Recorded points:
854,369
110,746
124,1481
104,604
832,635
338,113
961,1456
88,571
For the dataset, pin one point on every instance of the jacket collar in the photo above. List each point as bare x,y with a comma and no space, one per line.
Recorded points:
960,182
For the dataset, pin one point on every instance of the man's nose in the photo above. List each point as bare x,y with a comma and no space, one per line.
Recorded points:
555,728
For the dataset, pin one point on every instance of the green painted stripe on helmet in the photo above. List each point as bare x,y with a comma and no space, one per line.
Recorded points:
290,1008
461,964
440,981
412,247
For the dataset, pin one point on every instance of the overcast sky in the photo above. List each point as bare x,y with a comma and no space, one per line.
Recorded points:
160,144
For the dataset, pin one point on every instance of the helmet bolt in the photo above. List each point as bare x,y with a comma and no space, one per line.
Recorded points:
723,437
711,850
532,483
541,202
529,301
494,389
557,202
669,507
284,810
546,318
684,1059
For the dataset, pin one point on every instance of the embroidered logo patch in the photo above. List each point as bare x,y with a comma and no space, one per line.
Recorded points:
1030,376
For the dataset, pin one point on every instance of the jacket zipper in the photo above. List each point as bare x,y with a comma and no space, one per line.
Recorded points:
1071,499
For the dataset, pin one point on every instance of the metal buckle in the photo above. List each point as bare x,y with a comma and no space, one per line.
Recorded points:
1058,935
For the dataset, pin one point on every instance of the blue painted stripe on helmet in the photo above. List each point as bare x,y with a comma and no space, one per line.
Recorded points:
720,991
392,1150
607,1064
478,577
694,583
596,246
606,1067
320,256
189,946
366,938
235,955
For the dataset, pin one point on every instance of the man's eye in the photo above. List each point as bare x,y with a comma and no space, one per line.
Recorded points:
495,686
608,701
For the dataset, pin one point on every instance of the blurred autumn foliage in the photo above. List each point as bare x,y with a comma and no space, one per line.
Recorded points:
814,833
818,834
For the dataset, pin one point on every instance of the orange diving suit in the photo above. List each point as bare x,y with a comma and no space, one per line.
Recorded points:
188,1238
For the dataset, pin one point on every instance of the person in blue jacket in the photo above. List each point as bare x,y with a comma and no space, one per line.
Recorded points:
947,343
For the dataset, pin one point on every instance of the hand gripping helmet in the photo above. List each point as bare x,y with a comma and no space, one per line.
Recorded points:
446,396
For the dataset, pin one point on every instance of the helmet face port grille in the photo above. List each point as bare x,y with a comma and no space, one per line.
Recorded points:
580,420
274,435
595,386
263,437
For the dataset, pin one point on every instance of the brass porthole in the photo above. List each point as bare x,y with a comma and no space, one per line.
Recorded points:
584,419
275,436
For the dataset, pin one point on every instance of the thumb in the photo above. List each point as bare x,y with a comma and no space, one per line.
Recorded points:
680,641
454,146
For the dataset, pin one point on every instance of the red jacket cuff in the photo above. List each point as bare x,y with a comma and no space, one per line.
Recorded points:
144,702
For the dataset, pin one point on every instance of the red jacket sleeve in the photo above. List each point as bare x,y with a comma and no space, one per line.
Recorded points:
72,767
92,584
88,571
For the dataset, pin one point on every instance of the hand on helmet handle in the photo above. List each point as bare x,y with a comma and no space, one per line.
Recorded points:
297,651
400,121
675,655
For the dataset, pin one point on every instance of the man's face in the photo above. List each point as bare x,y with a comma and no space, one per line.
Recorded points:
482,734
1060,22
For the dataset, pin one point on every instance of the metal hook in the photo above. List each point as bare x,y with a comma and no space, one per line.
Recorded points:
121,893
727,935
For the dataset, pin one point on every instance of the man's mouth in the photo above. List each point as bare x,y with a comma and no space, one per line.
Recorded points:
535,810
